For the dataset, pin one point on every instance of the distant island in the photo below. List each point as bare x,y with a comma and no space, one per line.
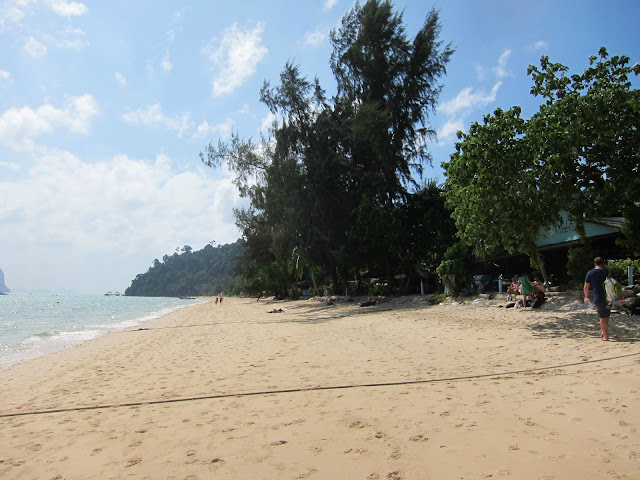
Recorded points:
3,287
190,273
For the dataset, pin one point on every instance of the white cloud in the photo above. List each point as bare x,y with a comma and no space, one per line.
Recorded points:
166,64
539,45
268,121
35,48
153,116
5,77
450,129
501,69
11,12
121,79
329,4
315,38
66,8
469,99
73,38
222,130
236,57
19,126
123,213
10,166
459,107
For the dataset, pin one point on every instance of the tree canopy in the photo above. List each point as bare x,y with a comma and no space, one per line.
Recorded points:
509,178
331,184
203,272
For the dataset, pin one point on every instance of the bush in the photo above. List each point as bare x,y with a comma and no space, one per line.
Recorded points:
618,270
579,262
451,269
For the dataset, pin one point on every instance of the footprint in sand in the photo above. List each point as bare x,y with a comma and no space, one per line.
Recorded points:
357,424
133,461
356,450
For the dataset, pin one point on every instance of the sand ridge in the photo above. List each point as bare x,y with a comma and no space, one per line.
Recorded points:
249,394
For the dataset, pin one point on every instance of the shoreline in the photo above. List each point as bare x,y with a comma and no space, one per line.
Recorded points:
395,390
54,334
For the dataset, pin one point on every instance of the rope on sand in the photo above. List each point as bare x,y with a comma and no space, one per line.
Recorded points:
311,389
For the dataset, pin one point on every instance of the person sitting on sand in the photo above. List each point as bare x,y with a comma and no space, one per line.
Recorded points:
537,296
513,289
538,283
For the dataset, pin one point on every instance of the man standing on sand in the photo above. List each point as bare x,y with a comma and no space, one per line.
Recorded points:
596,279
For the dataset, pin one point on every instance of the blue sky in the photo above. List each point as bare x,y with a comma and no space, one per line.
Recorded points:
104,107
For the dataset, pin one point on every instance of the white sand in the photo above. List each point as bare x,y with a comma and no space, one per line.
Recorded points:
451,392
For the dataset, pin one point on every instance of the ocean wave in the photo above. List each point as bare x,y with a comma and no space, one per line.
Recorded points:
36,331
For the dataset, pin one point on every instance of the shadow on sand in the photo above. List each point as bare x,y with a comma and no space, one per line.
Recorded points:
323,311
622,328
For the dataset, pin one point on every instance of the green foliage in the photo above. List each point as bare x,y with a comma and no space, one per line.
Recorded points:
329,186
579,262
452,269
492,187
204,272
588,133
437,299
276,279
510,178
618,269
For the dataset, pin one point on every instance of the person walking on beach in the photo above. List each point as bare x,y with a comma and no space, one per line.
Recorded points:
595,279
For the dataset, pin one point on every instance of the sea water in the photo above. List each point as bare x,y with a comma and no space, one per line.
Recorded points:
35,324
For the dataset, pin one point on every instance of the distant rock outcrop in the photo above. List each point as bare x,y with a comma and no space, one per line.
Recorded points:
3,287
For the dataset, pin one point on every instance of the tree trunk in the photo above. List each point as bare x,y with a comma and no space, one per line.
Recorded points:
315,285
387,262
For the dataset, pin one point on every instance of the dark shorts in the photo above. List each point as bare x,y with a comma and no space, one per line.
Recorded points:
603,310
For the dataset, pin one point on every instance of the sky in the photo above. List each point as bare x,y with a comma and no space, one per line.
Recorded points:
105,106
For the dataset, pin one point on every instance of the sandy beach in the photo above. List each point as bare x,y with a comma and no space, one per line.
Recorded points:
398,390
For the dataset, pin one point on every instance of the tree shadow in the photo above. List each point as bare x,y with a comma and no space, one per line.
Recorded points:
622,328
322,312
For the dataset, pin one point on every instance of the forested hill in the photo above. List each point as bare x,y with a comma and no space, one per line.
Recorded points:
204,272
